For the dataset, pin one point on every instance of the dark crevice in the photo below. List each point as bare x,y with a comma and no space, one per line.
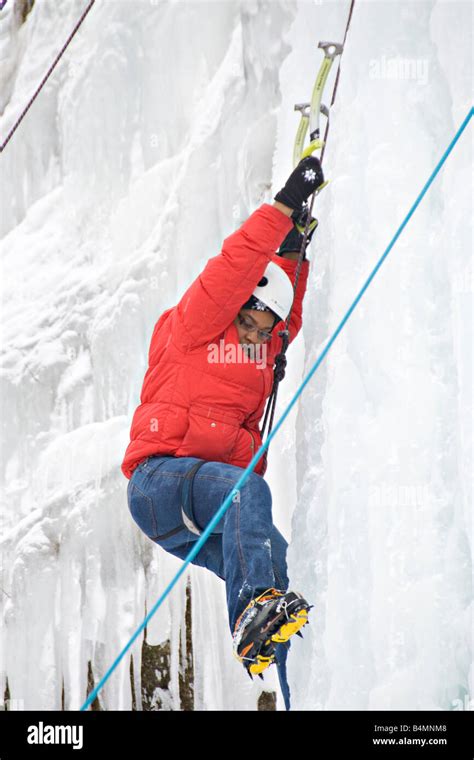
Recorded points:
155,672
6,695
22,8
267,701
132,685
90,687
186,664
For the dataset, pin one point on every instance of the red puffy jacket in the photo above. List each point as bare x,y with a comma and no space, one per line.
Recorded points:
192,406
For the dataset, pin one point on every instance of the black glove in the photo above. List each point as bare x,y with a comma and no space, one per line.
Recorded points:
294,239
301,183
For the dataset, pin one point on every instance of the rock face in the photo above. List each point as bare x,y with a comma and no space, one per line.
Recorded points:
155,671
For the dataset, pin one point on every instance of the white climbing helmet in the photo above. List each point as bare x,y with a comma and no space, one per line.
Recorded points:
275,290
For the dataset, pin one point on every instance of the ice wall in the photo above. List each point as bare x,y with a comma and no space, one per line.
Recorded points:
148,145
384,431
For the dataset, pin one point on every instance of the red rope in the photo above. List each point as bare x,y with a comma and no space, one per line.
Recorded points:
43,82
280,359
337,79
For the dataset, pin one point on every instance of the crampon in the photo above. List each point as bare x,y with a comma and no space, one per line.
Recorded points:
268,620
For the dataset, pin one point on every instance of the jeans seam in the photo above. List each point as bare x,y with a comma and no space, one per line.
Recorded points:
134,485
243,566
217,477
198,475
277,577
150,503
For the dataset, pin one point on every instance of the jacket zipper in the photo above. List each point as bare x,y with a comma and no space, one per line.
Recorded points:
253,442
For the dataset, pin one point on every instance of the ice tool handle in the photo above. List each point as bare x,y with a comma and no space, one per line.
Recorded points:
310,112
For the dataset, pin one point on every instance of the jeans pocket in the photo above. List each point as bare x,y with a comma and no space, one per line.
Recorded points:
141,509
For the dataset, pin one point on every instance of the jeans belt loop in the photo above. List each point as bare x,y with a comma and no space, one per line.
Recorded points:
187,510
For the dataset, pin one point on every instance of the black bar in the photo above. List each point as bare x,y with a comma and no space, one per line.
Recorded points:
305,734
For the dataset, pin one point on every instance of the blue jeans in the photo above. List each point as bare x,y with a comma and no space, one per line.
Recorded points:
245,549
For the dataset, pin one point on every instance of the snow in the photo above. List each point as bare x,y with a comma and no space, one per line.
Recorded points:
147,146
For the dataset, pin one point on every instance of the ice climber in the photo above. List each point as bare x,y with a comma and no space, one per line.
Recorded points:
210,372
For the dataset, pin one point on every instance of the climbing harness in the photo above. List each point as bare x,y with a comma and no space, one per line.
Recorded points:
186,496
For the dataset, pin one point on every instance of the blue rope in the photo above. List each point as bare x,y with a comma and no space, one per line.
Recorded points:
234,493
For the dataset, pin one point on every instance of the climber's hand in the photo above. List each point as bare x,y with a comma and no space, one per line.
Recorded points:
301,183
294,239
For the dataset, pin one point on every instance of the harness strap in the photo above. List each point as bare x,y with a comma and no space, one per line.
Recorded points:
186,495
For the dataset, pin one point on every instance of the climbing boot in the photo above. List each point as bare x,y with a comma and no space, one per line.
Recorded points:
269,619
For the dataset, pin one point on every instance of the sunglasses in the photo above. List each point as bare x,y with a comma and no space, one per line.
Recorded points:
264,336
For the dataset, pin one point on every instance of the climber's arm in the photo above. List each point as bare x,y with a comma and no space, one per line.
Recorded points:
214,298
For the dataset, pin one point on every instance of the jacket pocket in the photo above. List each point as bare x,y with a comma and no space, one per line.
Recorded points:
210,436
247,444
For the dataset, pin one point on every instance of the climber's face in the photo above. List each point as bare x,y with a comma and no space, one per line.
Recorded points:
254,326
